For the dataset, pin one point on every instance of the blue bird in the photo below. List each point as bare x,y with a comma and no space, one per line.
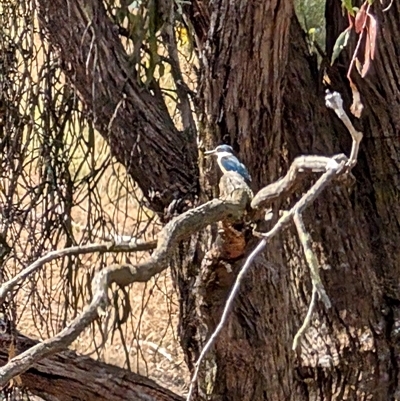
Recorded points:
227,161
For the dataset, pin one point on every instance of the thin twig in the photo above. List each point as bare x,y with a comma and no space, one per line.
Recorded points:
225,313
317,286
334,101
388,7
311,259
182,89
354,57
307,319
286,185
60,341
122,100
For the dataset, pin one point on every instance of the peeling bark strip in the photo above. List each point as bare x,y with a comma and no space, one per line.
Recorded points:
136,124
67,376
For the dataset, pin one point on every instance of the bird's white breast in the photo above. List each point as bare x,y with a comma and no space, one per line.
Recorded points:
224,154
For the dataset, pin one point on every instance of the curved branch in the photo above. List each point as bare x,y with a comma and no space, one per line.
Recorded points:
315,164
176,230
182,90
307,319
74,250
332,169
287,184
311,258
135,122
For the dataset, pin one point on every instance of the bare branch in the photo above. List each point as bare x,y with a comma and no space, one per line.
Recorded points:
307,319
387,8
225,313
311,259
182,89
75,250
287,184
177,229
68,376
134,120
332,167
334,101
310,164
317,286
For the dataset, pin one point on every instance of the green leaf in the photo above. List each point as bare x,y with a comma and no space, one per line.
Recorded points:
340,44
348,6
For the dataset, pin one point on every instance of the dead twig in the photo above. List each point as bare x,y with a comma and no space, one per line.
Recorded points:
334,101
307,319
287,184
311,259
317,286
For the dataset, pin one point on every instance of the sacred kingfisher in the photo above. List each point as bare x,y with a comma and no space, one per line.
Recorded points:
227,161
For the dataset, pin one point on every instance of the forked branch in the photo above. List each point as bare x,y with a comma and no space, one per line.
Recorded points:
74,250
306,200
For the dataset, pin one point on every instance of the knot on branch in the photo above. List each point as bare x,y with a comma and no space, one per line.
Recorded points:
234,188
231,241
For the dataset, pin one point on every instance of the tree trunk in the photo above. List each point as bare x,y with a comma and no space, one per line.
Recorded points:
263,95
133,120
67,376
243,100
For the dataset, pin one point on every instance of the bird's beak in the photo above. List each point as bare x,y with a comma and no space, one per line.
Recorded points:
209,152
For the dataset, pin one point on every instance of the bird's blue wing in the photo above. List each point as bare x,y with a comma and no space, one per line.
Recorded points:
244,173
233,164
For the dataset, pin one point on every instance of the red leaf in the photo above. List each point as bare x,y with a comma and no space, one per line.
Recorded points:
361,18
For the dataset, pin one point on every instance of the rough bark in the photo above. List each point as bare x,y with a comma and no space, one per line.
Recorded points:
246,50
244,104
345,353
378,188
134,121
262,94
67,376
273,111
